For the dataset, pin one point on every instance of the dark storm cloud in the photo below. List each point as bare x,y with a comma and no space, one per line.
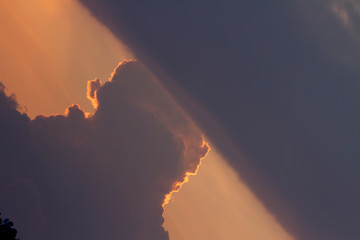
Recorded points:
99,177
281,78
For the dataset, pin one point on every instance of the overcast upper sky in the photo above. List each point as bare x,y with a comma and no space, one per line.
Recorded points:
278,81
272,85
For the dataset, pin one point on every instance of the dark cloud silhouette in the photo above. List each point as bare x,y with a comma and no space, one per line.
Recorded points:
278,80
104,176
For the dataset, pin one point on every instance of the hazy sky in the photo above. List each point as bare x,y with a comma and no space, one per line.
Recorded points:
93,145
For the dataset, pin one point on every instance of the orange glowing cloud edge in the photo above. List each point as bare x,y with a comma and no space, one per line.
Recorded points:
65,114
94,85
177,185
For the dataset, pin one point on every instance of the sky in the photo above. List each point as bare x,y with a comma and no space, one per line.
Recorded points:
41,32
180,120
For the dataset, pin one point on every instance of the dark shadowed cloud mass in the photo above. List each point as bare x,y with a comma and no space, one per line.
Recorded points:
281,78
102,176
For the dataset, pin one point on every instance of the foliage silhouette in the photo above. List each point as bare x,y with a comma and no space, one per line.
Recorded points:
7,232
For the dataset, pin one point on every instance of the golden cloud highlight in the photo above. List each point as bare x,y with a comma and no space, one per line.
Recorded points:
92,87
177,185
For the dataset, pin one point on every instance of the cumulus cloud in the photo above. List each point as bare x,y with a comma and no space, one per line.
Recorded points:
104,176
341,13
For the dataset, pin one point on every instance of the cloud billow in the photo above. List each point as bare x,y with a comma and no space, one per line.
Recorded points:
103,176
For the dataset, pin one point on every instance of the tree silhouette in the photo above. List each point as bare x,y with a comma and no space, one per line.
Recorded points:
7,232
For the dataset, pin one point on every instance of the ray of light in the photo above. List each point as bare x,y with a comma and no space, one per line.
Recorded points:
216,205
